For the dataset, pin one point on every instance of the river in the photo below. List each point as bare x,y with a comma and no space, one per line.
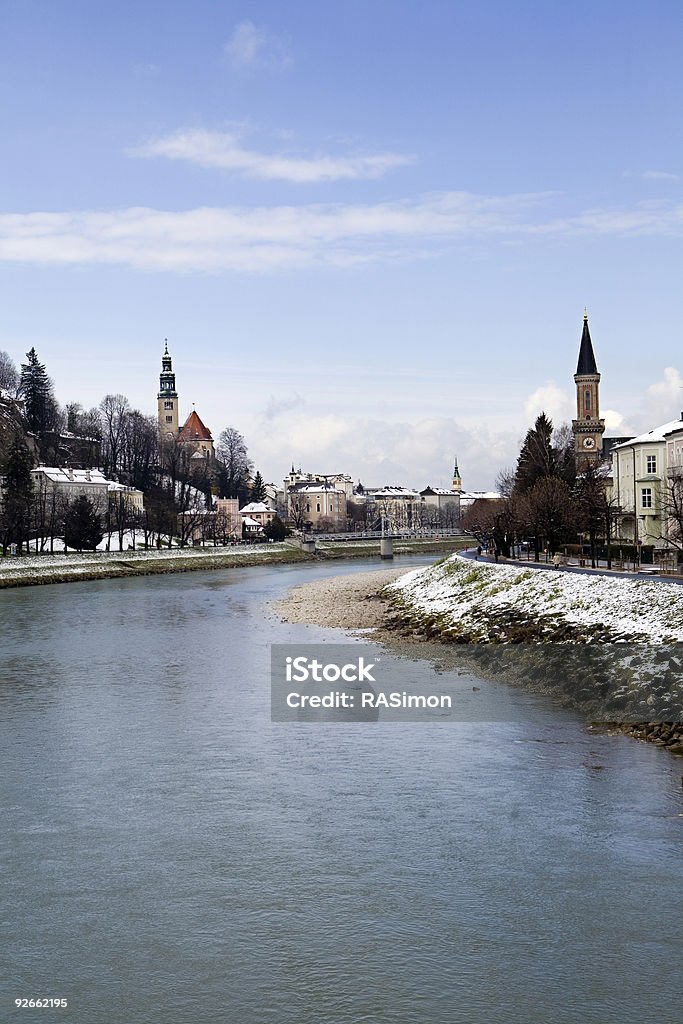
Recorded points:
169,854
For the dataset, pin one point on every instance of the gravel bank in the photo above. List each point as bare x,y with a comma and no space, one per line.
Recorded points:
342,602
356,602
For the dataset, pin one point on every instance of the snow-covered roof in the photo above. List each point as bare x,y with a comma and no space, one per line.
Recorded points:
314,488
441,491
248,521
468,497
255,506
652,436
59,475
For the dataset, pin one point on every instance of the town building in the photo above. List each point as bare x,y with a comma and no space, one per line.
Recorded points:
645,470
317,506
339,480
67,484
258,512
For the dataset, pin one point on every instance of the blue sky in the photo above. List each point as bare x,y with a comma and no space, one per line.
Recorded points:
368,230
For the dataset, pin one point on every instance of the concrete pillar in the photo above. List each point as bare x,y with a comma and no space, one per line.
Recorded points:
308,544
386,548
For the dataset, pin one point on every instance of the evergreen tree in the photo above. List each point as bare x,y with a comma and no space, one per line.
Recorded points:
537,457
258,488
35,387
82,525
275,529
17,497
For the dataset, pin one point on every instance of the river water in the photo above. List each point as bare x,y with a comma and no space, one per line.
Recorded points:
169,854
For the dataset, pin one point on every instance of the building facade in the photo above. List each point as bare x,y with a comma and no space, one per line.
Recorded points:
645,472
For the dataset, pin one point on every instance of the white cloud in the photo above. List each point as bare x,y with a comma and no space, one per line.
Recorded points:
223,150
663,399
380,451
254,47
273,237
660,176
554,401
614,421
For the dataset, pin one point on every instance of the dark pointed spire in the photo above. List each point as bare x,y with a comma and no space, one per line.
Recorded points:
456,471
586,365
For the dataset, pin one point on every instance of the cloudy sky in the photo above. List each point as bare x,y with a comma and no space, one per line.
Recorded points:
368,230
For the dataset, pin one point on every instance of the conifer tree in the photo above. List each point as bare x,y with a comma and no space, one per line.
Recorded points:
82,525
35,387
537,457
258,488
17,495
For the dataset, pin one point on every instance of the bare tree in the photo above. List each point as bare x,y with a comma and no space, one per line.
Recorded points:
236,469
115,410
298,509
9,375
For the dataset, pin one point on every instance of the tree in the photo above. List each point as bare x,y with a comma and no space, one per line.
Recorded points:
17,495
258,488
298,509
35,387
233,476
550,512
537,456
82,524
9,375
81,423
115,410
591,506
275,529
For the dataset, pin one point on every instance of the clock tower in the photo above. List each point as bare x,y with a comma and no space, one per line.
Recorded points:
167,400
588,427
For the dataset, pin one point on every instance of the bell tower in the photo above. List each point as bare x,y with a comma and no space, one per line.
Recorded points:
167,399
588,427
457,482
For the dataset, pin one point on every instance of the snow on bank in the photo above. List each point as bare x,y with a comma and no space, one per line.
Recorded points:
469,596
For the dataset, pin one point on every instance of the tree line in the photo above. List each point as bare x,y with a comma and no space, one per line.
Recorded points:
551,504
123,443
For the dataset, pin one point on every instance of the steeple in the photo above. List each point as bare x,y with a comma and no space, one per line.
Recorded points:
586,364
588,427
167,399
457,482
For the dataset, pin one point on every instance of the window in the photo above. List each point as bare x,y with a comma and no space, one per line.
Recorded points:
652,464
168,404
318,507
646,497
587,401
169,419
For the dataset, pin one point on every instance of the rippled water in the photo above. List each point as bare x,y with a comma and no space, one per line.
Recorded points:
169,854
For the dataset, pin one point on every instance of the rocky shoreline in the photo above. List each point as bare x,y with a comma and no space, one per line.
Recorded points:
367,602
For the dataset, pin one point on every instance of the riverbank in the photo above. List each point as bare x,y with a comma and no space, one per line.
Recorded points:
34,570
635,687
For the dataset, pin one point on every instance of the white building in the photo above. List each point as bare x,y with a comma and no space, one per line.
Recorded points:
75,483
643,470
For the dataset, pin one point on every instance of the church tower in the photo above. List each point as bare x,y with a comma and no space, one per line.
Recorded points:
167,400
457,482
588,427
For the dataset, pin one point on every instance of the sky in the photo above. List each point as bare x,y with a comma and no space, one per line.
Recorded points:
368,230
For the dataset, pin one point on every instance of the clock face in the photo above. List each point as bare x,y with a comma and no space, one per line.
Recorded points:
588,442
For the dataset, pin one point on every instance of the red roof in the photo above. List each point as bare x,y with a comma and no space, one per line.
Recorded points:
194,430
